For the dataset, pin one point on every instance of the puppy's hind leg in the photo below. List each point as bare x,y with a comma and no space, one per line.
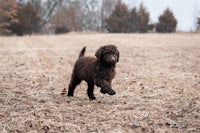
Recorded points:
74,82
90,91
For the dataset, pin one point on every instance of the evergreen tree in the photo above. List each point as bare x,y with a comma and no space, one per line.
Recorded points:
167,22
8,15
133,20
29,20
118,21
198,23
142,19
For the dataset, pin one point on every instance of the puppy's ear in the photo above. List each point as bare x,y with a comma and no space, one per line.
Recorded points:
118,57
98,53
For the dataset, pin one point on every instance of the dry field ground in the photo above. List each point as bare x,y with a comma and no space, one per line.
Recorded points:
157,85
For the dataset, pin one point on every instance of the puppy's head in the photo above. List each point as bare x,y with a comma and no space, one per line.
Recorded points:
108,54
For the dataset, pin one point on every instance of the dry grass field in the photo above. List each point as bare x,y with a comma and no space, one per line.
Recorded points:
157,85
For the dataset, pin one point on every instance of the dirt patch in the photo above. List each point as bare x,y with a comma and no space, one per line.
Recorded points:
157,84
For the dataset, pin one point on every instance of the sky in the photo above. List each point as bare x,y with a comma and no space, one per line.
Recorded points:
185,11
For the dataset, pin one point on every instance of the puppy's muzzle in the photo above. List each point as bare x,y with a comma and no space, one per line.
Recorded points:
113,59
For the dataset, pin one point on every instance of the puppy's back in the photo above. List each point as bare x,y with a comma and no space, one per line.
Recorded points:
85,68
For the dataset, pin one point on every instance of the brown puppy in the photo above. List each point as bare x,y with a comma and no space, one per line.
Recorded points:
97,71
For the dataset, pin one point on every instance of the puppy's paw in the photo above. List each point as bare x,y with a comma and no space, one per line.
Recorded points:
92,98
103,91
109,91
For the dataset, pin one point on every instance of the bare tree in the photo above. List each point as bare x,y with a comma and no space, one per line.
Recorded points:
48,10
90,15
107,7
66,19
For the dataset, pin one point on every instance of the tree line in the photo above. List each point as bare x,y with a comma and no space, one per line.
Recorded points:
60,16
122,20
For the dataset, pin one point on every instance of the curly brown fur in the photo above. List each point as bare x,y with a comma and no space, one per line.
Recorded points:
97,71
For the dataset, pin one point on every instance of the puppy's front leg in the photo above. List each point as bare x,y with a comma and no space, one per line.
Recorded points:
105,86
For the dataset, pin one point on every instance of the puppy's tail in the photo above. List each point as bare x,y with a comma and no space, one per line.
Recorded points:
82,53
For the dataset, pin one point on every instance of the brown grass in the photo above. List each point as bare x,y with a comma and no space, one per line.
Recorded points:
157,84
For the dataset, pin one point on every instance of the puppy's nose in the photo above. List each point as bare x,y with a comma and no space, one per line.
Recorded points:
112,58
